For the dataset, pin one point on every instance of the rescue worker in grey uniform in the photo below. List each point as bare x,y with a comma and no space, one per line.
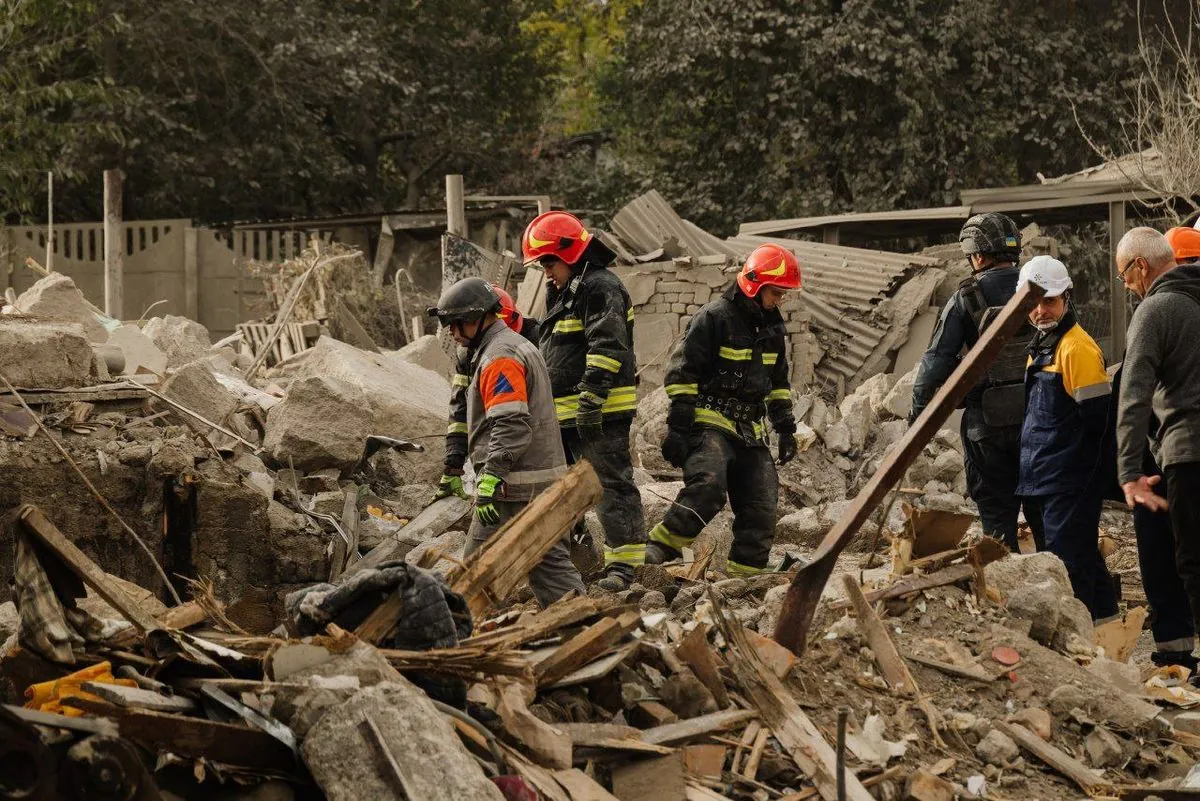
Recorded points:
995,408
724,380
512,432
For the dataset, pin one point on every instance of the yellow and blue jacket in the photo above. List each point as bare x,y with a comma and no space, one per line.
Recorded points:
1067,393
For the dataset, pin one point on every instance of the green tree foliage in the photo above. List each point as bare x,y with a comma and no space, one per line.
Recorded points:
777,108
229,109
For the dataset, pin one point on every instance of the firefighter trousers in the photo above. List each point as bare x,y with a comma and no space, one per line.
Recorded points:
554,576
1069,524
718,467
620,510
992,458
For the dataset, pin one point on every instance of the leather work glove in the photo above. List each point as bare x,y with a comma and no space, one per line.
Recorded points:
450,485
787,448
485,491
675,447
589,420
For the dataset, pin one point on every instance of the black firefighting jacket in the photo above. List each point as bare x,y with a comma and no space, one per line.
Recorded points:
731,370
587,342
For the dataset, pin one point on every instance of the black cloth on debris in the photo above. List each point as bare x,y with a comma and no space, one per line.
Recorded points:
433,616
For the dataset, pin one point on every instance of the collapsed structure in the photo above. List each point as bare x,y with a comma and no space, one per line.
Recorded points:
320,633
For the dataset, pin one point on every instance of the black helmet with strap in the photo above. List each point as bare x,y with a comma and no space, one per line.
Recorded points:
992,234
466,300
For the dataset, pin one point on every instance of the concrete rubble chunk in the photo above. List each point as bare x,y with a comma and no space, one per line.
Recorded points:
55,298
181,340
36,355
803,527
195,386
141,354
1036,588
997,748
1104,749
898,401
344,757
837,438
323,422
427,352
9,620
856,416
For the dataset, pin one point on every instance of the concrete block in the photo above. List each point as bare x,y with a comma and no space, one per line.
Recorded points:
180,339
679,308
56,299
323,422
36,355
427,352
676,286
195,385
640,286
671,297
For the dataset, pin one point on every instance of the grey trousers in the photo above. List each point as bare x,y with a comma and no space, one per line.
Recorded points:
554,576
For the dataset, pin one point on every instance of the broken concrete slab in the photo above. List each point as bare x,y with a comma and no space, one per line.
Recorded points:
344,750
37,355
141,354
654,337
195,386
898,402
1036,588
180,339
427,352
997,748
55,298
323,422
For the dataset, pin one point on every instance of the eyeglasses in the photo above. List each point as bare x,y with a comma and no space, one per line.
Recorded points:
1121,271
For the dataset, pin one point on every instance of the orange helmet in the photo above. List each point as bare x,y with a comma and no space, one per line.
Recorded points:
1185,242
555,233
769,265
508,310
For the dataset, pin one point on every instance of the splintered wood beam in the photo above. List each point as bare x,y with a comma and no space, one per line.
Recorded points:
891,664
585,646
1088,780
505,560
804,595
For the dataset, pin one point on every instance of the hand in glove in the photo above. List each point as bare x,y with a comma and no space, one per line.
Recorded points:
485,491
675,447
589,419
450,485
787,448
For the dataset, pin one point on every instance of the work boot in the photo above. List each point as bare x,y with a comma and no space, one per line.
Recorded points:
657,553
617,578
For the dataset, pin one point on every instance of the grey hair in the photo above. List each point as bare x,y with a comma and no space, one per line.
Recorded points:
1147,243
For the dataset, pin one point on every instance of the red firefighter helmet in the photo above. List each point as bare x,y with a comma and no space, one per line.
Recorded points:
769,265
508,310
555,233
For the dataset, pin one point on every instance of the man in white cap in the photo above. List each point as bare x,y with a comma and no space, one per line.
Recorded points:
1062,476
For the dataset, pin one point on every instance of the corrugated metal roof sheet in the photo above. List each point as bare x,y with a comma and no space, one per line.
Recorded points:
647,222
803,223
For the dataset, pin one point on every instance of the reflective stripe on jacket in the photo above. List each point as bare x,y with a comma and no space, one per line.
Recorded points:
587,341
511,429
1067,392
732,369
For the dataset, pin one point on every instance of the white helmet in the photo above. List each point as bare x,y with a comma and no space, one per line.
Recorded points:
1047,272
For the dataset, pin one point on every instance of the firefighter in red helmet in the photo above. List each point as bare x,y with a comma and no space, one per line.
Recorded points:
725,380
587,341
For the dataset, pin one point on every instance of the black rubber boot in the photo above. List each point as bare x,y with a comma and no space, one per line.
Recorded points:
617,578
657,553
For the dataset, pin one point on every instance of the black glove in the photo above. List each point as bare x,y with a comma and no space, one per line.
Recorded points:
675,447
589,420
787,447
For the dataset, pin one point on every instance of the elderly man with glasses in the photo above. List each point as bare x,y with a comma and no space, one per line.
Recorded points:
1160,394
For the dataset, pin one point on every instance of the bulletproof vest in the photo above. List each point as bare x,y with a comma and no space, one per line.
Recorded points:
1003,397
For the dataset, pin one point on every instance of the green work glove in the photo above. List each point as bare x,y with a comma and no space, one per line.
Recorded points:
485,491
450,485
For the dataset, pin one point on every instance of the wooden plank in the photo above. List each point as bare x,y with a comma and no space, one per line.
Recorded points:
581,786
805,593
432,521
798,735
1088,780
585,646
194,737
661,779
177,617
137,698
684,730
950,575
560,614
596,670
108,392
46,533
548,745
504,562
345,549
583,734
891,664
705,760
695,651
383,620
650,714
356,335
750,771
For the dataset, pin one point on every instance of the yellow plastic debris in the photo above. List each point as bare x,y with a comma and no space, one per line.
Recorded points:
47,696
